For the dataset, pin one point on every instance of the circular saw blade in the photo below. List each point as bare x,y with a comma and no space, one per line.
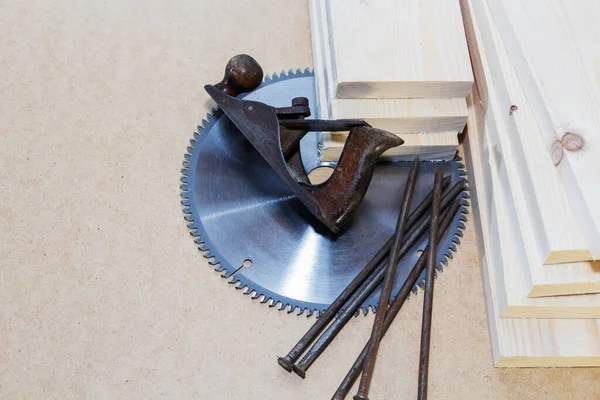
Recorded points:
257,234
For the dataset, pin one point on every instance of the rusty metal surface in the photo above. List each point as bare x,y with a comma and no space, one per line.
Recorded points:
429,284
390,272
333,201
397,302
415,220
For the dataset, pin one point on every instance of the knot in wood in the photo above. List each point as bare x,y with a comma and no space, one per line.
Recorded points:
572,141
556,152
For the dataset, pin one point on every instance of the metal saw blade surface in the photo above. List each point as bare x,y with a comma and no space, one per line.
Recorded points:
239,209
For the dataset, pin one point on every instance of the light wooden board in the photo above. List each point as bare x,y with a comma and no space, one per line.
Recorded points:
528,277
556,237
394,115
518,342
553,45
508,243
398,49
428,146
507,247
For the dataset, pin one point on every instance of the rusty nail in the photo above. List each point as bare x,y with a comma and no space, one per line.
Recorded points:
390,273
288,360
357,299
396,303
428,296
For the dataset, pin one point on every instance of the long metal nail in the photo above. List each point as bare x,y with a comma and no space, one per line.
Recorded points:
366,289
327,315
428,297
390,273
396,304
361,294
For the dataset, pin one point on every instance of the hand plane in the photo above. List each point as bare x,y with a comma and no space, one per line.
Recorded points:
276,133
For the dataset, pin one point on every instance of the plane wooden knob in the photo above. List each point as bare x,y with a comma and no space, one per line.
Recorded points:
242,74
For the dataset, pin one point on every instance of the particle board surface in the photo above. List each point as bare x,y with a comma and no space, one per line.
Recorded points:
398,49
104,295
394,115
534,278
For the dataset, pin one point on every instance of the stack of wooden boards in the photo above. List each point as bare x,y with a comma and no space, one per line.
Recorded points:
534,158
401,65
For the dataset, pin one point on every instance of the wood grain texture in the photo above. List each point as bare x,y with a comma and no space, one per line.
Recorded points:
394,115
553,46
517,342
557,237
428,146
398,49
534,278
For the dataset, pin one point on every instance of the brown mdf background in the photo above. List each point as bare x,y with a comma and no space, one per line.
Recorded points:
102,292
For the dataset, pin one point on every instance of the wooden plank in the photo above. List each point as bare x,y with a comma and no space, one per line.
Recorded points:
518,342
398,49
557,237
565,97
532,278
508,244
394,115
428,146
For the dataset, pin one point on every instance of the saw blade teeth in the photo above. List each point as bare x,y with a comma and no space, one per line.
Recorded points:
449,255
228,271
220,268
464,210
212,260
